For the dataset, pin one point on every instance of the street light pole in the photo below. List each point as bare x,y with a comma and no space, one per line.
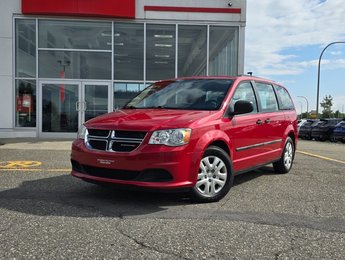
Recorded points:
318,77
307,104
301,110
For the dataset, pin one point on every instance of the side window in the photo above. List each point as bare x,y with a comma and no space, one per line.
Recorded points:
267,97
244,91
285,102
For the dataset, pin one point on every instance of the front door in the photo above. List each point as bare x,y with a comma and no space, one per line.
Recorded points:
64,106
96,99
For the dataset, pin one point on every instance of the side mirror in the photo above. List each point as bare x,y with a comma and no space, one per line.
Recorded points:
242,107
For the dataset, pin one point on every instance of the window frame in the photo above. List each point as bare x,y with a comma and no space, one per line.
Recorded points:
261,109
280,102
252,84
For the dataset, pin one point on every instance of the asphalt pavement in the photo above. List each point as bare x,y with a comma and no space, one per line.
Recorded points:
47,214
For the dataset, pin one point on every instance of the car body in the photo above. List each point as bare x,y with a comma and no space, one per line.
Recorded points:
304,131
324,129
338,133
191,133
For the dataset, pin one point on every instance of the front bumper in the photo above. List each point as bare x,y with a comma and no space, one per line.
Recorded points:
149,166
338,135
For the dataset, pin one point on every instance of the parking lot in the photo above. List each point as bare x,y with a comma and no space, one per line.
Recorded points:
47,214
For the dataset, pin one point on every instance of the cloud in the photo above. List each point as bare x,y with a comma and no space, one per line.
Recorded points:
336,53
276,26
339,103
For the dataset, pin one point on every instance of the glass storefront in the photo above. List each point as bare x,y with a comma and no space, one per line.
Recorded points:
25,103
128,51
192,50
97,66
160,51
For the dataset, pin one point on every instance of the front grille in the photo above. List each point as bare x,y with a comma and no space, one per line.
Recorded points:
114,140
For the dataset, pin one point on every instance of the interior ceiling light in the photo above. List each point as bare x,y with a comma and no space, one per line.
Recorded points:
161,62
163,45
123,61
165,36
106,34
119,43
117,34
162,56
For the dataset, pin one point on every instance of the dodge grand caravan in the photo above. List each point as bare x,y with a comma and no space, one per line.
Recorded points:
191,133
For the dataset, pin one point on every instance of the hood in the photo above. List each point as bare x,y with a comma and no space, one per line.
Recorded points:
151,119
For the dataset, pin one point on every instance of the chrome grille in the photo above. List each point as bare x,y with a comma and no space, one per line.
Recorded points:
114,140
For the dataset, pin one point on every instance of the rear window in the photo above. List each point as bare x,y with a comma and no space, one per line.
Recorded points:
284,99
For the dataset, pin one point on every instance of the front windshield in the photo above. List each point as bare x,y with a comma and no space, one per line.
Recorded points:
195,94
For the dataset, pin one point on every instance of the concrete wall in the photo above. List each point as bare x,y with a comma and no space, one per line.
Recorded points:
7,8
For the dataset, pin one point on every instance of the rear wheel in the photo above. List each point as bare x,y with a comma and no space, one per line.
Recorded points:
285,162
332,139
214,177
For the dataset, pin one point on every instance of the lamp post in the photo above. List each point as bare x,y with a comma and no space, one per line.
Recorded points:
307,104
301,110
318,77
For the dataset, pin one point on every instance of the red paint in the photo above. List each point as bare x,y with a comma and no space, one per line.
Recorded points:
251,139
192,9
98,8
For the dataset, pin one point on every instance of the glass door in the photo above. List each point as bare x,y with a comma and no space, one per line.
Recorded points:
64,106
60,106
96,101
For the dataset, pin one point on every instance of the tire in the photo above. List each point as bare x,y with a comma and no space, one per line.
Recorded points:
286,160
332,139
215,176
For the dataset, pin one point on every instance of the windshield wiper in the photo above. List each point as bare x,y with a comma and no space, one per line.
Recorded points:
129,107
152,107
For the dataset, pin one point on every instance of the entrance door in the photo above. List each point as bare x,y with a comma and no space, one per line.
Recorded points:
64,106
96,99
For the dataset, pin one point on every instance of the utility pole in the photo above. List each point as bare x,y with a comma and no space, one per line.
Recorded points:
318,78
307,104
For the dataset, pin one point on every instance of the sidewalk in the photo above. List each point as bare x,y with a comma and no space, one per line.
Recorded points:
35,144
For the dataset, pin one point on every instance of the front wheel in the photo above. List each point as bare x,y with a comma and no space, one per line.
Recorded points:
214,177
285,162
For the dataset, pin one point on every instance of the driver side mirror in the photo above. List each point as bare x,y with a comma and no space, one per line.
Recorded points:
242,107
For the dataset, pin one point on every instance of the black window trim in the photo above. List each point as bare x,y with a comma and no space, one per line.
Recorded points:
255,95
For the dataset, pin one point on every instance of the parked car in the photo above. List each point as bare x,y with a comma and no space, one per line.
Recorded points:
323,130
304,131
300,123
193,134
339,132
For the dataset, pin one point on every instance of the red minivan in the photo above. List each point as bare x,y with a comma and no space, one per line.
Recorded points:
193,133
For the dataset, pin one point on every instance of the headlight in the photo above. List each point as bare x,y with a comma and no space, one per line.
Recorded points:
82,132
171,137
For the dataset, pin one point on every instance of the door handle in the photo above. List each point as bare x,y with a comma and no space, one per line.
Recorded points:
267,120
259,122
77,106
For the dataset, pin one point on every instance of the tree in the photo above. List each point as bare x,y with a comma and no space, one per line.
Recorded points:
327,104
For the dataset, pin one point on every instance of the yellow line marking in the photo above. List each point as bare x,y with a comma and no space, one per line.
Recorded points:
36,170
321,157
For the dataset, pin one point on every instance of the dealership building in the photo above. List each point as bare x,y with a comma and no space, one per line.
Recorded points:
64,62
